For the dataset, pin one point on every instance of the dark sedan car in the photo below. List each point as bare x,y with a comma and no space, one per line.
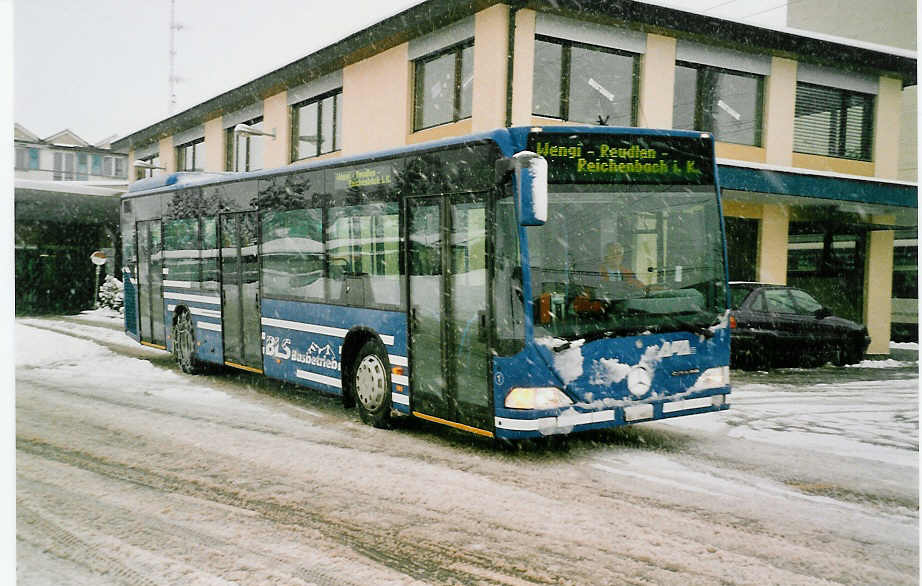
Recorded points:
774,325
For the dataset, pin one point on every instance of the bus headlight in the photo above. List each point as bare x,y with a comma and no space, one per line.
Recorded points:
714,378
536,398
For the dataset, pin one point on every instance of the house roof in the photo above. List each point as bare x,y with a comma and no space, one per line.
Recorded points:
432,15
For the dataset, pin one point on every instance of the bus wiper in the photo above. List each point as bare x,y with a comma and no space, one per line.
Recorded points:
695,328
589,338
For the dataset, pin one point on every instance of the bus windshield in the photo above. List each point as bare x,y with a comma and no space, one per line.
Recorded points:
626,259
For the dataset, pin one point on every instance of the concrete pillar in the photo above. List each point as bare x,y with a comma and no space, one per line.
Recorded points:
657,82
276,119
215,145
132,172
780,95
523,68
377,102
888,108
167,155
878,286
491,33
772,259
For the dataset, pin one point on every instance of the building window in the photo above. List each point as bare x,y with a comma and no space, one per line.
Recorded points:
583,83
833,122
191,156
96,166
119,168
64,164
154,161
317,126
444,88
725,103
22,158
34,159
245,151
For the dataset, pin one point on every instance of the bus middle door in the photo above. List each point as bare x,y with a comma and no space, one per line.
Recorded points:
449,352
240,291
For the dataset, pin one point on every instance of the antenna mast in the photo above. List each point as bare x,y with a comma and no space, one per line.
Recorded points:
173,79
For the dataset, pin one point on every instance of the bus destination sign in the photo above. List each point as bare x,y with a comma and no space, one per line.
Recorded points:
600,158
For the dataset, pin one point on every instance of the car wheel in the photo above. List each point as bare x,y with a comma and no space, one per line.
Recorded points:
184,344
848,354
371,383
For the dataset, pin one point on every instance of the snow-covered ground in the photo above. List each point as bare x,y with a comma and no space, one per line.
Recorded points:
130,472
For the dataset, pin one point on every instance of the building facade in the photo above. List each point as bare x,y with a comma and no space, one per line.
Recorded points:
65,208
64,156
807,127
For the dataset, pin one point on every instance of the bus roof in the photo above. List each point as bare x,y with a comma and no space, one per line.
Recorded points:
510,140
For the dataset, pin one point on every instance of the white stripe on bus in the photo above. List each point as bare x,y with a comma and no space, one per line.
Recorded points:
205,312
398,360
399,379
187,297
400,399
315,329
199,311
319,378
205,325
181,284
554,422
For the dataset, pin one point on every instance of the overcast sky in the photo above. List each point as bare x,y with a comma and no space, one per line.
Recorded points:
101,67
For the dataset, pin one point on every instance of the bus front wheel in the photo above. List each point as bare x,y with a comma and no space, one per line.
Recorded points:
184,344
371,383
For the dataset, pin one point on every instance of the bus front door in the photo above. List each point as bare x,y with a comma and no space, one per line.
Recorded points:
240,291
449,368
150,284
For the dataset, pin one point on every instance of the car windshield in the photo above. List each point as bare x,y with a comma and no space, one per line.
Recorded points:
626,259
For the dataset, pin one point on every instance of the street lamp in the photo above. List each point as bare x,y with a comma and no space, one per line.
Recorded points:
246,129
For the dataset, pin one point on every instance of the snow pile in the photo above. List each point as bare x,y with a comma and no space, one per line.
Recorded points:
568,363
56,357
887,363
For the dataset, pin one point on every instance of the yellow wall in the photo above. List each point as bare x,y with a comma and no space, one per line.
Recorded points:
377,101
772,255
167,155
523,67
737,209
276,151
215,145
780,93
441,131
657,81
878,281
888,108
834,164
739,152
491,31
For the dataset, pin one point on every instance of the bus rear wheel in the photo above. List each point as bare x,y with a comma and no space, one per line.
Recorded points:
371,383
184,344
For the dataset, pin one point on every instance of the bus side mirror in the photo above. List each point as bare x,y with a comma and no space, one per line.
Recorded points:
531,187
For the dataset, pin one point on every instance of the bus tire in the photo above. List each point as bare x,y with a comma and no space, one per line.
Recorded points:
371,383
184,344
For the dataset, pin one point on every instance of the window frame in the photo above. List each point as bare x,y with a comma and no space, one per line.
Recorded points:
566,70
867,124
231,154
182,163
457,49
758,124
336,130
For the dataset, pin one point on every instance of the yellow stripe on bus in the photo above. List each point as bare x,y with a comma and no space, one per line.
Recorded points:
461,426
157,346
242,367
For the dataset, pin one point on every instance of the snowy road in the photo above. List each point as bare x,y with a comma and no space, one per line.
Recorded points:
129,472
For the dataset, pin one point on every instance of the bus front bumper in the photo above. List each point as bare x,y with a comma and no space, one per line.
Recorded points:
528,424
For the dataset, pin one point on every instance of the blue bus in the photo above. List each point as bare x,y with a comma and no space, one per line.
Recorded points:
517,283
